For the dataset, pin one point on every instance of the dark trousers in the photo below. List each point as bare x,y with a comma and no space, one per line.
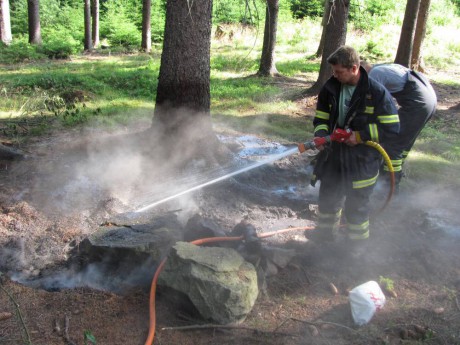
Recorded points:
417,103
347,178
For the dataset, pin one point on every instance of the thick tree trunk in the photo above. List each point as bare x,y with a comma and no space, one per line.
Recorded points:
146,44
324,22
335,36
95,22
33,10
406,40
183,93
267,60
419,36
87,14
5,22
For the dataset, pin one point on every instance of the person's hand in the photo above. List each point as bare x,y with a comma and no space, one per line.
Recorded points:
353,140
317,141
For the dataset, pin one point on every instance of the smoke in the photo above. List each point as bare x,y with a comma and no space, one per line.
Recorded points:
95,176
99,276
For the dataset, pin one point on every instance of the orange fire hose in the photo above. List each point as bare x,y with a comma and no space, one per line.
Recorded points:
198,242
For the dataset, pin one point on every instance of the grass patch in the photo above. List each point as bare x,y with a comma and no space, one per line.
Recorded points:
423,166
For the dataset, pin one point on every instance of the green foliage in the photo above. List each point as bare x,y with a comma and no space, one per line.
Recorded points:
89,338
19,51
372,51
368,14
297,67
41,104
238,11
231,11
364,14
19,19
386,283
52,15
37,87
457,6
301,9
158,17
118,27
59,44
441,11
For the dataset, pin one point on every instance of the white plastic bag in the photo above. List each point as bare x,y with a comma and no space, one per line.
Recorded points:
365,300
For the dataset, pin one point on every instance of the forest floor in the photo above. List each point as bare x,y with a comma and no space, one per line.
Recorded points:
60,194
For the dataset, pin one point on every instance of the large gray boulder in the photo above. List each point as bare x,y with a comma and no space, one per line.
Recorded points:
220,284
137,235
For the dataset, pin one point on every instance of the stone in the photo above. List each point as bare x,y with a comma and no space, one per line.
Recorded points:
220,284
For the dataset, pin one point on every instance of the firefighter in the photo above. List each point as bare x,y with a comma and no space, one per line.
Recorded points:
348,171
417,104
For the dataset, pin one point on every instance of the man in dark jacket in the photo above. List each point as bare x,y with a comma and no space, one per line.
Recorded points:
348,171
417,101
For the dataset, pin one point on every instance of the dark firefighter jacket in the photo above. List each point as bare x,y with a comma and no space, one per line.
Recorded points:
372,113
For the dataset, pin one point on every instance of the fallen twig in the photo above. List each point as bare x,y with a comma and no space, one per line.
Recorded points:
211,326
306,275
16,305
317,323
66,331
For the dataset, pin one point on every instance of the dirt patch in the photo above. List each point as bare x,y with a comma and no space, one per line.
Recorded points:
52,200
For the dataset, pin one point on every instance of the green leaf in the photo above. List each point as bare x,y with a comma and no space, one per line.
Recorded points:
89,337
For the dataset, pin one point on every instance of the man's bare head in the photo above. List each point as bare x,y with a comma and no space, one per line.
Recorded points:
345,65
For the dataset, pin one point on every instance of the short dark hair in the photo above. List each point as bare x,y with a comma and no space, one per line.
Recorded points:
345,56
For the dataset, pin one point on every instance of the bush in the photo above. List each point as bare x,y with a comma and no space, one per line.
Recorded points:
118,28
238,11
369,14
301,9
457,6
373,51
19,51
59,44
227,11
158,20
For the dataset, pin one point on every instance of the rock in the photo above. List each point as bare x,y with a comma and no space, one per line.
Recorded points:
5,315
10,153
220,284
139,235
279,256
313,330
198,227
438,310
124,249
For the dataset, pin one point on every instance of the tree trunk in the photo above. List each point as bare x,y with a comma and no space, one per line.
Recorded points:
324,22
5,22
183,94
95,22
146,44
33,11
419,36
335,36
88,43
267,60
406,40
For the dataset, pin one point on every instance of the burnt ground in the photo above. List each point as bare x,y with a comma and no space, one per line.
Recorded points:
70,185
